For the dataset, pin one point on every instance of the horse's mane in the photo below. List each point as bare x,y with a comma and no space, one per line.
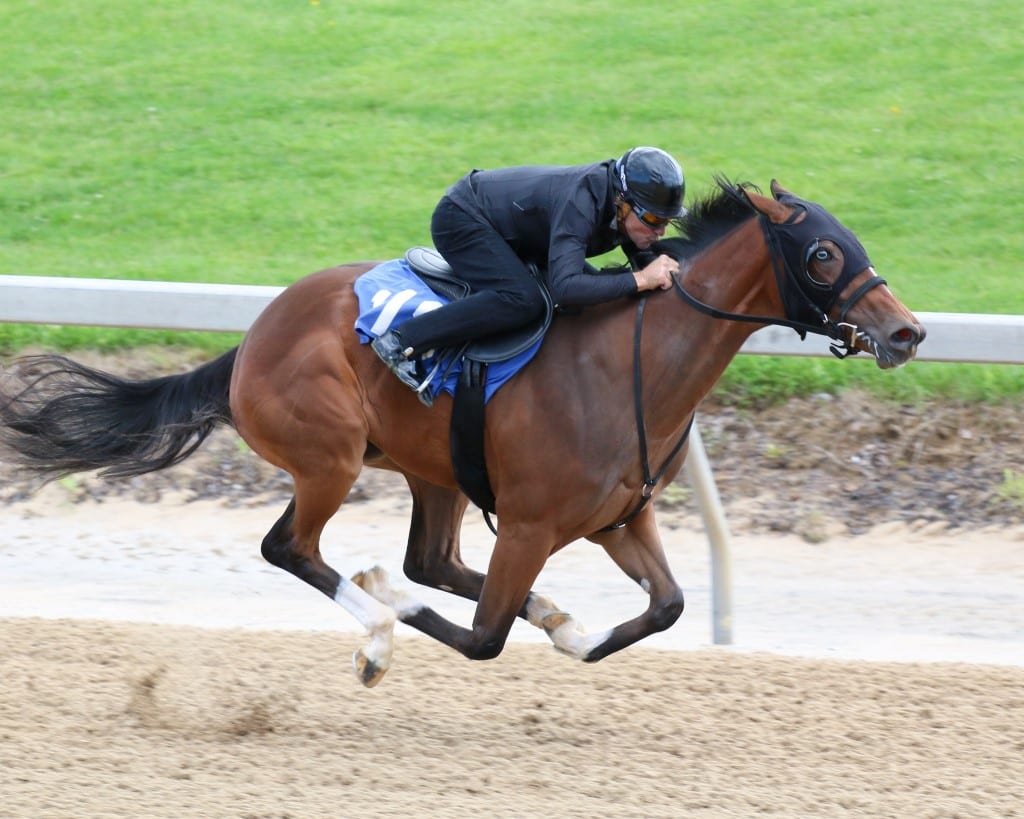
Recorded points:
709,219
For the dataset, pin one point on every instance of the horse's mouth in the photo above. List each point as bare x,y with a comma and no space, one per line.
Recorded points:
886,357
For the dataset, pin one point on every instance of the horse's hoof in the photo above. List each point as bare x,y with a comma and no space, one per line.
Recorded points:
368,672
365,577
555,620
373,581
569,652
566,634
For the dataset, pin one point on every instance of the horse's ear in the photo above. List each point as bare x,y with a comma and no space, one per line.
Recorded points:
742,191
778,191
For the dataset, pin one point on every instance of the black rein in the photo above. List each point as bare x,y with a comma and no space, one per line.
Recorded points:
650,481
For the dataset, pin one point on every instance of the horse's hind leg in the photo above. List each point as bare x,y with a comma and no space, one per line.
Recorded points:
433,558
293,544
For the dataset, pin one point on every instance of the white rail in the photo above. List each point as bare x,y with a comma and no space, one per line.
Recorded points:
957,337
140,304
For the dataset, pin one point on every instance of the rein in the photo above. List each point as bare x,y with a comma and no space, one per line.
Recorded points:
650,481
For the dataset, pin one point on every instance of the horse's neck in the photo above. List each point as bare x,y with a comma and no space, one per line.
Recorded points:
587,360
686,351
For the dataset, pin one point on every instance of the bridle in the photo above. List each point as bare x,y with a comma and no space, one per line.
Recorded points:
806,301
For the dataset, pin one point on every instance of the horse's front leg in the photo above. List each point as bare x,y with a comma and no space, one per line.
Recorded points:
637,550
433,558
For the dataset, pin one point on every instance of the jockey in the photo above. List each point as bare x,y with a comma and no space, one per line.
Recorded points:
490,225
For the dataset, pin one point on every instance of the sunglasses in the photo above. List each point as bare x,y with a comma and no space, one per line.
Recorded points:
649,219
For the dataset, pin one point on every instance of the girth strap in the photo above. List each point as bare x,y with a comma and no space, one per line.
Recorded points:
467,436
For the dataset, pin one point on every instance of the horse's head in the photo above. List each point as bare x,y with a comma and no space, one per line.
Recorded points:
826,281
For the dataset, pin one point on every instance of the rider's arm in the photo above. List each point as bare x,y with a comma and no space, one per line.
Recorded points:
571,279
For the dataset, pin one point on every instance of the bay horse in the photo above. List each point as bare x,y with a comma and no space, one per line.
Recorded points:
570,440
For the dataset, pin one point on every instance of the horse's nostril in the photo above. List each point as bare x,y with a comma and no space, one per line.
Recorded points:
904,336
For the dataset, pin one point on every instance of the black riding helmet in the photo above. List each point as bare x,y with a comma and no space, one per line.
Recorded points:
652,179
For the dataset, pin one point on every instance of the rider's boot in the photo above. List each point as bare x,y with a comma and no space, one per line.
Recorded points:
389,349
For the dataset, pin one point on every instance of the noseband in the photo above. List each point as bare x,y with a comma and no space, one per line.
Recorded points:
805,300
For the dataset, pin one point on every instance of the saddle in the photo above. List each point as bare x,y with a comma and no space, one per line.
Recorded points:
467,424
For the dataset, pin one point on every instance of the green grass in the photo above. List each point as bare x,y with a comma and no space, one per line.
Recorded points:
258,142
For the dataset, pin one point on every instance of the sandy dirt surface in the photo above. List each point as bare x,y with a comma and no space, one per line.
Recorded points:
100,719
154,666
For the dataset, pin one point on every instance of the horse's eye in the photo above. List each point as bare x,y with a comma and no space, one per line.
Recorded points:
822,255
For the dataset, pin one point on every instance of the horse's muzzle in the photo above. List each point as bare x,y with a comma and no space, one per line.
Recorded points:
898,348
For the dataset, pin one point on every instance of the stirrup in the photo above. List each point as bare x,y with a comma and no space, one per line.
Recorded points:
423,390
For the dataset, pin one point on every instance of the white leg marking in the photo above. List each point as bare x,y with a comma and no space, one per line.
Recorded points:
538,607
377,618
375,583
566,632
575,643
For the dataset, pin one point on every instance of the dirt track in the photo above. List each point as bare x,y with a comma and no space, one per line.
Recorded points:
98,719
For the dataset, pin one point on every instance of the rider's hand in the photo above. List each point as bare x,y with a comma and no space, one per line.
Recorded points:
657,275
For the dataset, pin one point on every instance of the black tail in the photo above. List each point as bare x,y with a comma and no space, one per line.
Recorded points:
66,417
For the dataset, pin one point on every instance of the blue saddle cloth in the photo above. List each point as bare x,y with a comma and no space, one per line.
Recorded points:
390,293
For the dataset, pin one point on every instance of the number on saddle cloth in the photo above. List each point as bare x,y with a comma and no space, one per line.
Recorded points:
467,425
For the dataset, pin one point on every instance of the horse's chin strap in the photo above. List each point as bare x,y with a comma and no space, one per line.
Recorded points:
650,481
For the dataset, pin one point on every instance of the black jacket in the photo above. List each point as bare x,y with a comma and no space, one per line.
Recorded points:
556,217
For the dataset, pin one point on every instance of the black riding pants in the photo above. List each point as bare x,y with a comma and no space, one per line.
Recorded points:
504,295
